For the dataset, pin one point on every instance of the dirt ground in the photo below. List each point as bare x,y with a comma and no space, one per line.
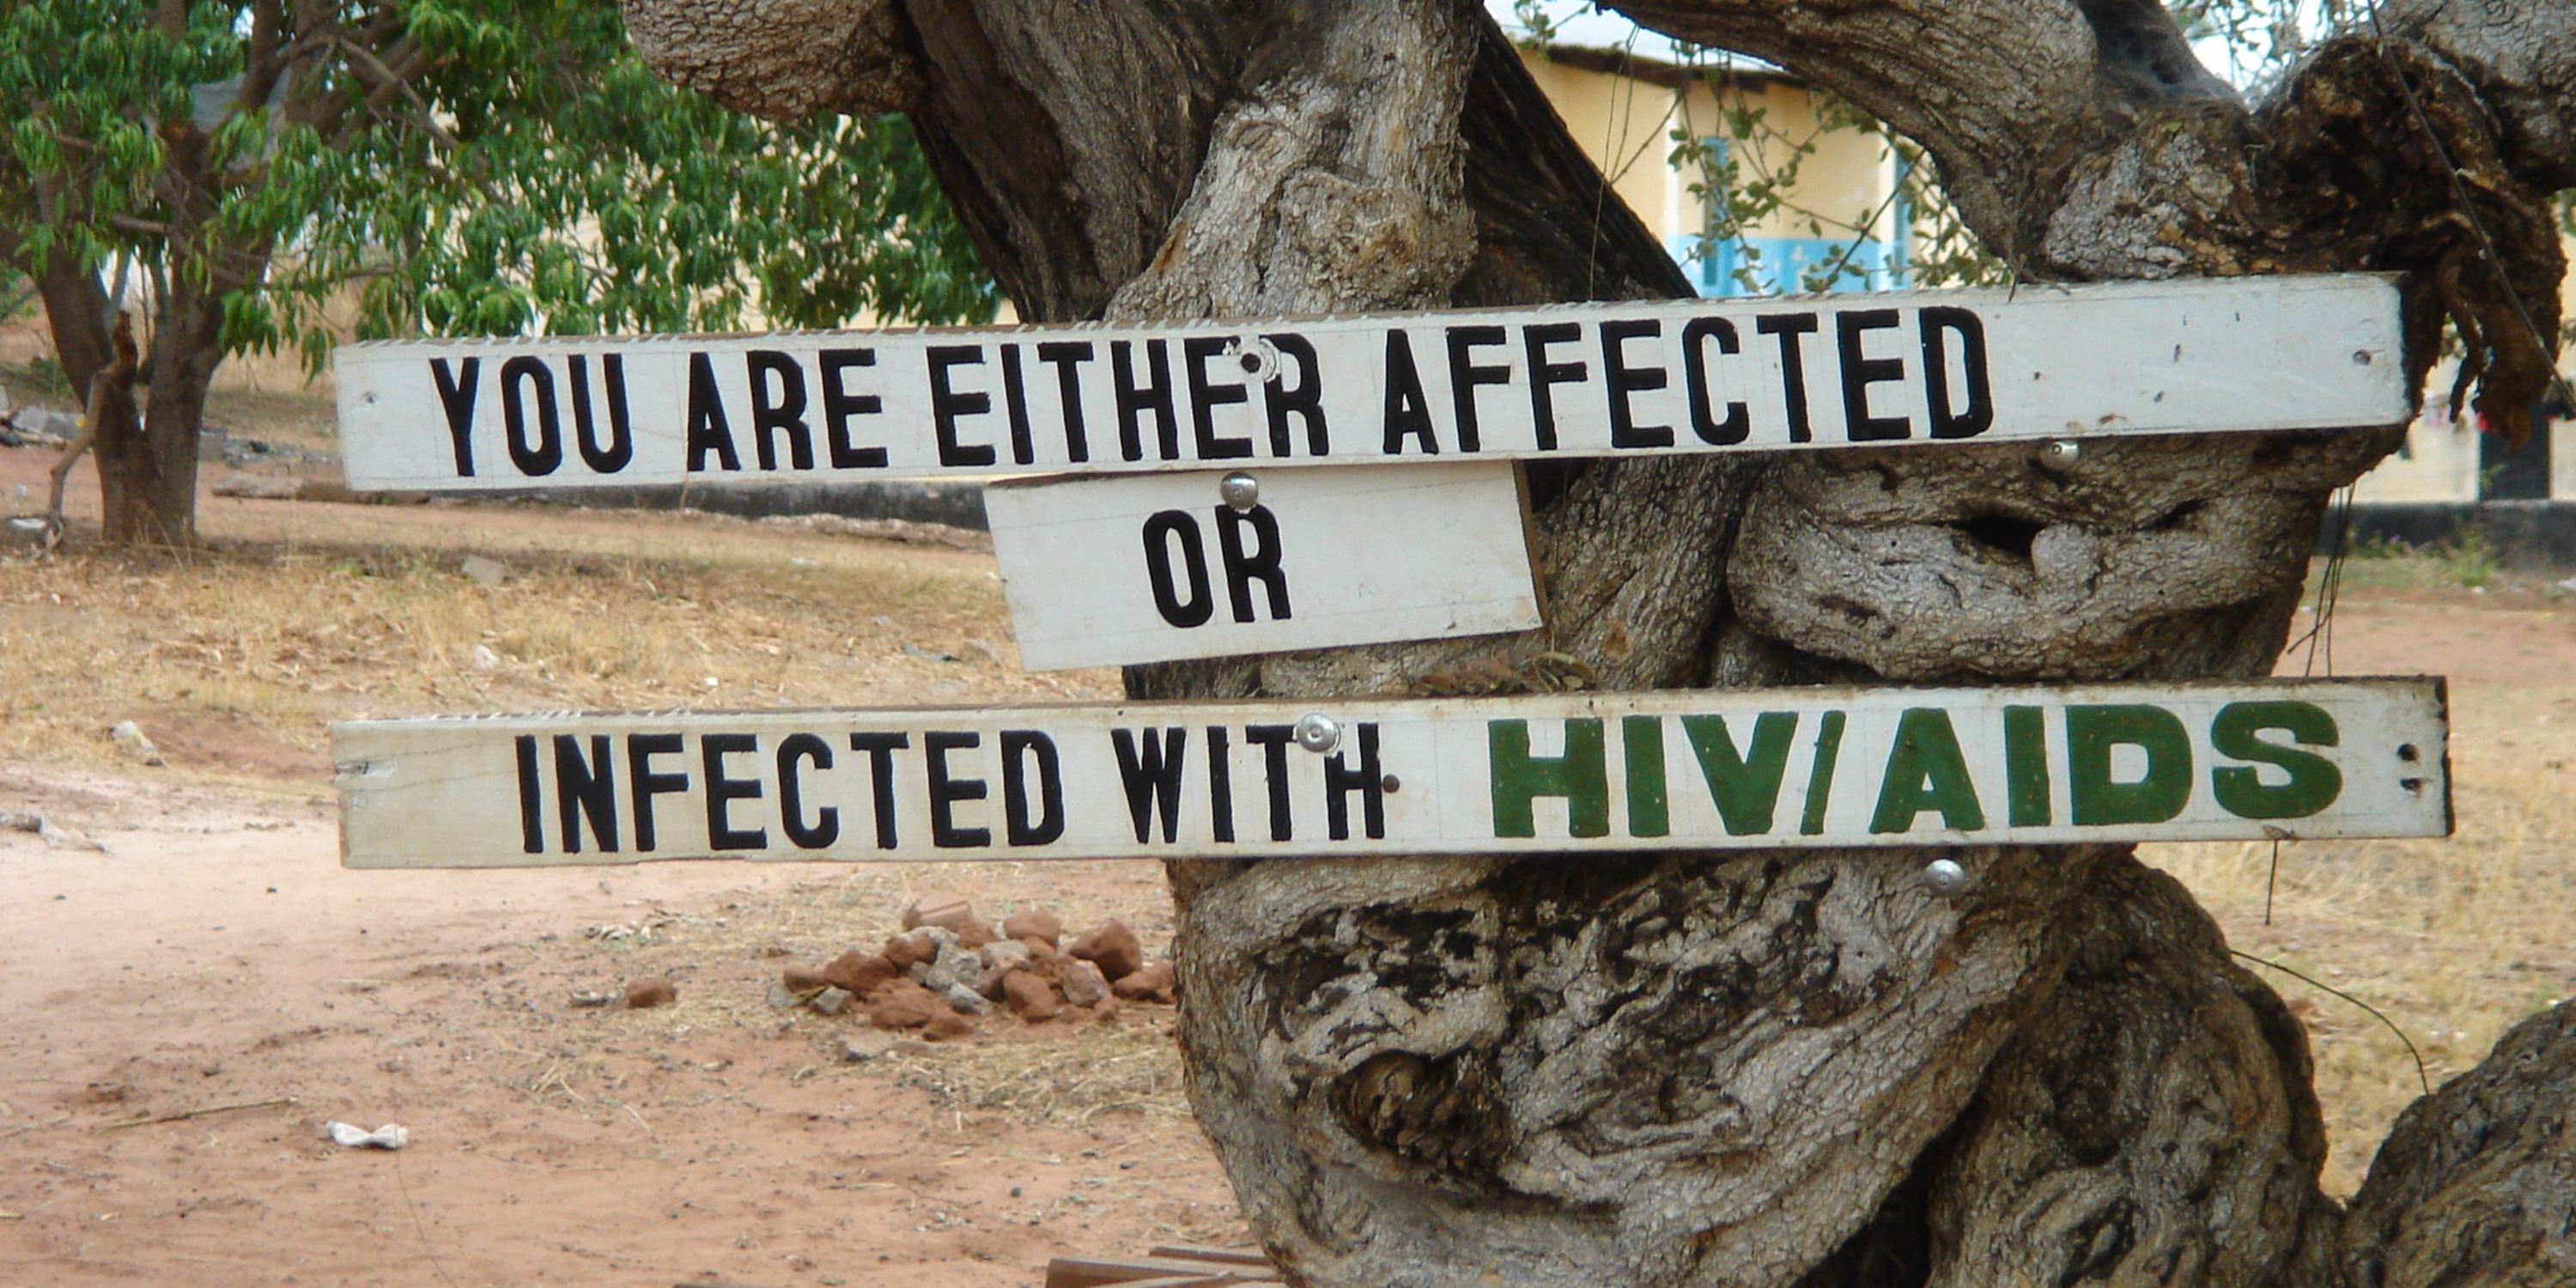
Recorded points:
190,1005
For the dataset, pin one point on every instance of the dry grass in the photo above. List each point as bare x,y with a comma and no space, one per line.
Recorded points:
287,638
2453,940
308,614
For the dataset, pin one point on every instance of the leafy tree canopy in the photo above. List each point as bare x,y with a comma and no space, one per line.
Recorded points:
477,166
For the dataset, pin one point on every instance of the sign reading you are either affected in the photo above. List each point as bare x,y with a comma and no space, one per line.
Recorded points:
1838,767
1592,380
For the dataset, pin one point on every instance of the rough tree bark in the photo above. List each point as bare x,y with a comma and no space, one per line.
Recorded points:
1777,1068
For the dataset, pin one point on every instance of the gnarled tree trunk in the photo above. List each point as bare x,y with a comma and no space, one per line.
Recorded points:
1796,1067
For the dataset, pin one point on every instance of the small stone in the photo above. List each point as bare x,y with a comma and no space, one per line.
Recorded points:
1006,954
947,1025
1030,923
904,950
649,992
783,998
974,934
866,1045
831,1001
1030,996
130,738
954,966
1152,984
1083,985
482,571
1112,947
859,973
989,984
965,1000
1106,1010
938,910
1044,958
905,1005
802,979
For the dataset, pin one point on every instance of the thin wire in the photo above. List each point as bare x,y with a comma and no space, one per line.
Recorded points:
2271,882
417,1227
2421,1075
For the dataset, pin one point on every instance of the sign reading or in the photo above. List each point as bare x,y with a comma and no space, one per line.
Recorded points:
1791,767
1103,571
2246,353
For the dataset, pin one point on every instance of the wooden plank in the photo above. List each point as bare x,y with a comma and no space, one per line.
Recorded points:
1532,774
1228,1256
1159,1271
1106,571
2245,353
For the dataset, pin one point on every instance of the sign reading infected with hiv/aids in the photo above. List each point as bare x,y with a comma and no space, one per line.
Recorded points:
1570,774
2253,353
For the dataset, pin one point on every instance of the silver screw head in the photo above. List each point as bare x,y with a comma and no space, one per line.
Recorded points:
1945,876
1318,733
2061,455
1240,491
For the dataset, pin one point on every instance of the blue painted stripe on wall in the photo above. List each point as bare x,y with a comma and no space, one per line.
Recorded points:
1779,265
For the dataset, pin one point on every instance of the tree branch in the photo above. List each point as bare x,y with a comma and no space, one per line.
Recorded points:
2004,94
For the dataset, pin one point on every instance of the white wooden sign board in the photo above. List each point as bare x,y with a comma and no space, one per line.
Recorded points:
1745,768
2247,353
1104,571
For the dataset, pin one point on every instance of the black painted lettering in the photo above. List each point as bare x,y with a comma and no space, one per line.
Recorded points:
1068,357
839,405
532,828
723,790
795,751
1712,429
1408,414
1303,400
643,783
1274,741
947,404
620,448
456,392
1136,400
946,792
1207,394
1160,530
708,430
1860,371
522,377
1791,329
1152,775
1256,561
1015,407
1949,419
1622,380
586,788
1369,780
1020,749
778,410
879,749
1545,376
1220,787
1465,373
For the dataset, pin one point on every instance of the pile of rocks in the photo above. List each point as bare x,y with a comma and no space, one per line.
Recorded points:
947,969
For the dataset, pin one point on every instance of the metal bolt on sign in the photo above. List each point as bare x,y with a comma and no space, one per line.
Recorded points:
1240,491
1945,876
2061,455
1318,733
